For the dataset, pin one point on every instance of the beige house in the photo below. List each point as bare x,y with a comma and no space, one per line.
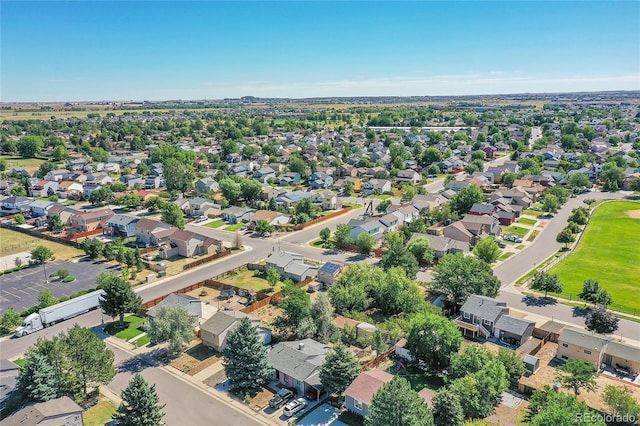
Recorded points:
56,412
188,244
90,220
581,344
215,330
622,355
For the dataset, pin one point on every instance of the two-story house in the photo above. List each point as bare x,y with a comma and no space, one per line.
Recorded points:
90,220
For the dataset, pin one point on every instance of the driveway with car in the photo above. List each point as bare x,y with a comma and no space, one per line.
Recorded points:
323,415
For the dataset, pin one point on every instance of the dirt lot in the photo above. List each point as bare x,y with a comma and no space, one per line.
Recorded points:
261,400
207,295
196,358
16,242
268,314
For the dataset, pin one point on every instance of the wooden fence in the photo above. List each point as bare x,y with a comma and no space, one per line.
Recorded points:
79,235
206,259
353,247
39,234
377,360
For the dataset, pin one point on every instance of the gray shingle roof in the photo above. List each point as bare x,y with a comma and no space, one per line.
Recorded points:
583,338
192,304
513,325
303,364
222,320
484,307
624,351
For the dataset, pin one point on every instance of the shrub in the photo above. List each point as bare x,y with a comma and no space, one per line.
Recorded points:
68,279
63,273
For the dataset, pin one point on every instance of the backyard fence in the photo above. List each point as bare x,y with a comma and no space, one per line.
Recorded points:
39,234
379,359
206,259
79,235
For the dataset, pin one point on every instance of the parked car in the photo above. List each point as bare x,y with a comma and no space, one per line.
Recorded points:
294,406
281,398
501,244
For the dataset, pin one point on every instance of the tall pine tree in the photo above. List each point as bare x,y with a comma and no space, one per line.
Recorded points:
37,381
140,404
119,298
338,370
447,410
245,359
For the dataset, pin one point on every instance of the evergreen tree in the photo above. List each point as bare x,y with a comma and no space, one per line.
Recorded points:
140,405
339,369
37,381
447,410
119,298
322,314
396,404
245,359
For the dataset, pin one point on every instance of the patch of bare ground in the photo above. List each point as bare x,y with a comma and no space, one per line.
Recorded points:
261,400
268,314
634,214
196,358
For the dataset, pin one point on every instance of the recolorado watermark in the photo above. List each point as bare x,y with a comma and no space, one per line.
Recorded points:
608,418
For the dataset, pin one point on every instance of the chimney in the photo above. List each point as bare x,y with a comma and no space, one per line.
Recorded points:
300,346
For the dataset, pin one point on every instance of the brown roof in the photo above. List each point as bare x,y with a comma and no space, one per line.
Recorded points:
182,235
267,215
96,214
146,224
342,321
427,394
367,384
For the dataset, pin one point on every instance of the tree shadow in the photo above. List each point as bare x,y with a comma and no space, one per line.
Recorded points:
538,301
580,312
134,365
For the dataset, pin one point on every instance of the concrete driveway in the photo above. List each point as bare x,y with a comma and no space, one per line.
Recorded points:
20,289
323,415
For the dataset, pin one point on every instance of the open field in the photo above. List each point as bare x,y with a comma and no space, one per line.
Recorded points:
12,242
245,278
608,252
21,162
100,413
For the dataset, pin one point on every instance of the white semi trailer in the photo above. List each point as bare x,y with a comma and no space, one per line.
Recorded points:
60,312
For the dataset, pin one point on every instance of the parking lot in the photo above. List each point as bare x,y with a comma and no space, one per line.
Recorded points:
20,289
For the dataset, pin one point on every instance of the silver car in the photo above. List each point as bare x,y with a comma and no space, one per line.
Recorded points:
294,406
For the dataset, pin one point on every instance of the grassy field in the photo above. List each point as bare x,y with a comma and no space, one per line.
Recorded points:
12,242
133,328
527,221
234,227
380,197
215,224
517,230
533,213
245,278
100,413
352,205
607,252
22,162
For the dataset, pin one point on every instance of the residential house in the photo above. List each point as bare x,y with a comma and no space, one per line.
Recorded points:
235,214
40,208
376,186
515,196
70,190
400,349
320,180
272,217
428,201
145,229
205,185
360,392
188,244
443,245
290,178
204,207
372,226
263,174
621,355
329,273
290,199
513,330
327,200
90,220
479,314
57,175
280,259
457,231
121,225
391,221
300,271
215,330
43,188
480,225
132,179
490,151
61,411
15,203
297,364
24,171
406,213
193,305
582,344
408,175
9,372
152,182
480,209
268,192
346,170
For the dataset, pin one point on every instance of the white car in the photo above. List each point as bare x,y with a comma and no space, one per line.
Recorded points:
294,406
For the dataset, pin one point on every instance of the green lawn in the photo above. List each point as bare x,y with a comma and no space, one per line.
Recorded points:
607,252
22,162
505,255
517,230
133,328
245,278
380,196
20,362
533,213
233,227
143,340
215,224
100,413
352,205
527,221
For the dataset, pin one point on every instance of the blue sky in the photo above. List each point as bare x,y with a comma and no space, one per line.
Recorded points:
101,50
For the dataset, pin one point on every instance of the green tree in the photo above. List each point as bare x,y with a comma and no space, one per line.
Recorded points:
544,281
339,369
349,293
421,249
462,202
342,235
119,297
93,247
398,256
37,380
18,191
394,293
63,273
263,227
602,298
101,196
140,404
601,321
365,242
55,223
471,359
565,237
347,189
45,168
231,190
40,255
128,200
590,289
273,276
577,374
30,146
297,164
100,155
325,234
173,215
479,391
487,250
173,324
579,180
548,407
433,339
447,410
250,189
45,298
396,404
508,179
550,203
322,314
621,401
456,277
512,363
383,206
178,176
612,174
10,320
634,184
60,153
19,219
245,359
296,306
3,164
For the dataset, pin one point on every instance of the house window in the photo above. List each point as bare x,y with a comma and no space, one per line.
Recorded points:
564,345
564,357
357,404
487,322
466,315
587,352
